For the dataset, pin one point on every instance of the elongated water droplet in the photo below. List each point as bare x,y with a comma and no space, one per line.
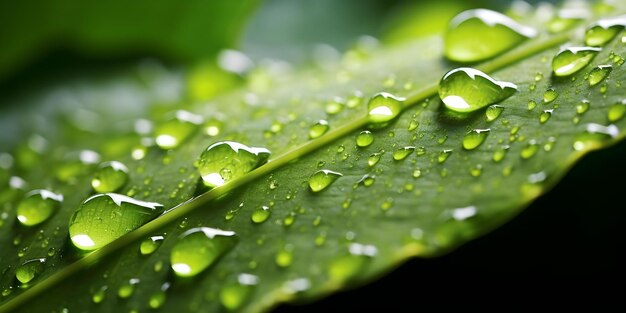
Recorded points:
475,138
198,248
260,214
128,288
550,95
566,19
493,112
616,112
364,138
383,107
37,206
443,155
479,34
226,160
571,60
466,90
26,272
318,129
402,153
149,245
598,74
545,116
173,132
110,177
529,150
105,217
233,296
321,179
374,158
604,30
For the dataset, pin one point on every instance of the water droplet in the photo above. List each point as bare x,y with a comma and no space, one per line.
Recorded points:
105,217
99,295
602,31
461,214
233,296
321,179
413,125
500,153
374,158
213,127
198,248
401,153
284,256
594,136
383,107
529,150
566,19
174,131
531,105
110,177
571,60
364,138
476,170
545,116
465,90
443,155
479,34
616,112
582,107
149,245
28,270
475,138
289,219
417,173
351,265
493,112
226,160
538,76
318,129
37,206
128,288
335,106
599,73
367,180
261,214
550,95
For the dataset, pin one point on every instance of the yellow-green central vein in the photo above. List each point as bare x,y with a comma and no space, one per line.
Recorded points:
182,209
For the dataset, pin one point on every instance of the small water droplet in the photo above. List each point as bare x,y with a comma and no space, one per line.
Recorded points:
616,112
367,180
545,116
594,136
465,90
110,177
177,129
566,19
321,179
198,248
538,76
598,74
105,217
531,105
443,155
233,296
99,295
550,95
28,270
149,245
582,107
383,107
500,153
571,60
260,214
37,207
602,31
127,289
374,158
335,106
401,153
475,138
417,173
479,34
226,160
530,149
476,170
364,138
413,125
318,129
284,256
493,112
347,267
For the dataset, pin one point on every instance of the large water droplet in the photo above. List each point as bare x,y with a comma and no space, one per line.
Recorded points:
321,179
364,138
198,248
105,217
571,60
466,90
383,107
475,138
234,296
479,34
173,132
226,160
28,270
110,177
318,129
598,74
616,112
37,206
602,31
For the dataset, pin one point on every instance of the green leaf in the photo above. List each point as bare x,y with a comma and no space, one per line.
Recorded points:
361,225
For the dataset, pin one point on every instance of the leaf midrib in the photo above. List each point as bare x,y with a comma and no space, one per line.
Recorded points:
184,208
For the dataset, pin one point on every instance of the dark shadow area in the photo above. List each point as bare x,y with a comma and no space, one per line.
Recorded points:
563,253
